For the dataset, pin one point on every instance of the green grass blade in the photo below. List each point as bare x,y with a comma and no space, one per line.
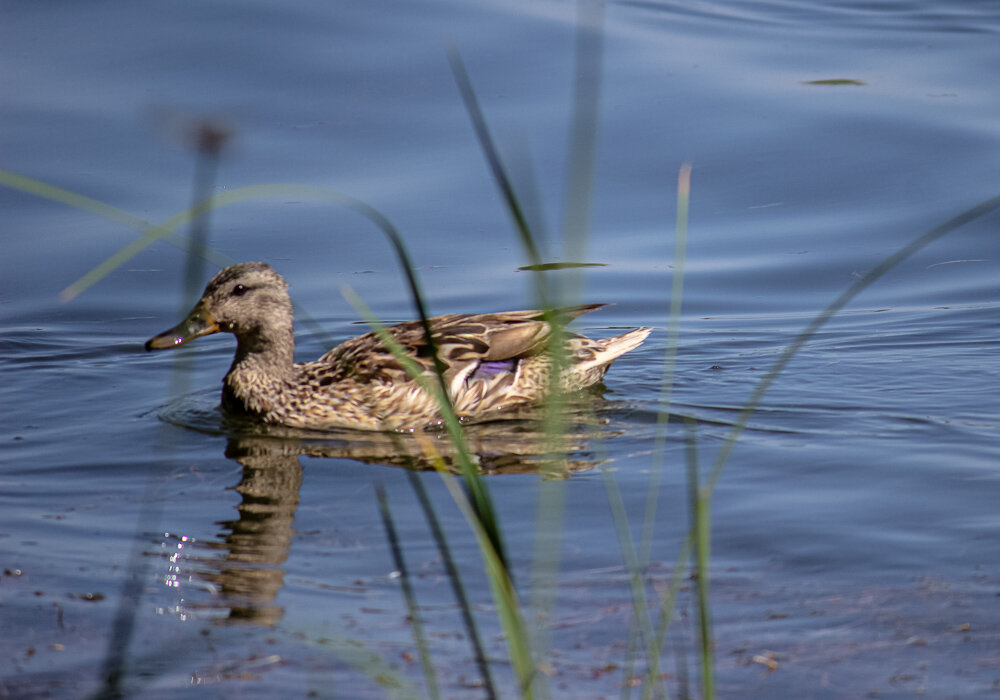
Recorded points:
490,153
669,363
636,578
667,607
480,495
969,215
71,199
588,60
166,229
663,420
700,504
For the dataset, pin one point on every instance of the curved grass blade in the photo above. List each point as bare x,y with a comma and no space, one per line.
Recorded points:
551,494
700,503
71,199
641,616
479,513
978,211
969,215
166,231
480,495
235,196
662,423
588,60
112,213
669,362
492,159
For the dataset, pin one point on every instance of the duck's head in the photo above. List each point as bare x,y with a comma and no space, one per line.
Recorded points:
249,300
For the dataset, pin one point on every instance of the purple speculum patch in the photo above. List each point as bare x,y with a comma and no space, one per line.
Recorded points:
486,370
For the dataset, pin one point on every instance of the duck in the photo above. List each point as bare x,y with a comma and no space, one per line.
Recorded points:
492,362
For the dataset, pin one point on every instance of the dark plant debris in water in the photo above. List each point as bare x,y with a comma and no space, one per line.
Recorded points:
542,267
835,81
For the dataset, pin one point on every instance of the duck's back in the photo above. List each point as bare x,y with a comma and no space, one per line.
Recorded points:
491,362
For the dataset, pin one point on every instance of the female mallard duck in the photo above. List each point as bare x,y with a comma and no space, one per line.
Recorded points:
492,361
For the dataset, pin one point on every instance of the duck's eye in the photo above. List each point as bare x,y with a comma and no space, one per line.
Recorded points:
240,289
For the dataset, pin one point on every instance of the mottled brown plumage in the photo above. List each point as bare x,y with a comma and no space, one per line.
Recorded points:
492,361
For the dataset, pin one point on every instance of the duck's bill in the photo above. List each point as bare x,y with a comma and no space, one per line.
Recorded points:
198,323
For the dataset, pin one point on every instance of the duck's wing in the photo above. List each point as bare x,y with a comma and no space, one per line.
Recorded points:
496,337
465,343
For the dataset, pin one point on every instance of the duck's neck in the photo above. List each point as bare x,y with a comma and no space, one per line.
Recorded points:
261,370
272,349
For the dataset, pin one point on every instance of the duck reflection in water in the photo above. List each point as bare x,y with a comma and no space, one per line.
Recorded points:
249,574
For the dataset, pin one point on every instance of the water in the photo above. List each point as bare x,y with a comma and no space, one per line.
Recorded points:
854,527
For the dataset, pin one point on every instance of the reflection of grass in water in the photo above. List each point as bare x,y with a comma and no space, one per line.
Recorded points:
527,656
416,622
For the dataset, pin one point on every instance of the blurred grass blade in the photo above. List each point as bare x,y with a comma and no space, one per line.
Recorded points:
667,606
123,630
588,59
123,623
416,623
662,424
78,201
210,139
669,364
150,236
130,220
680,663
636,580
551,493
71,199
700,506
167,228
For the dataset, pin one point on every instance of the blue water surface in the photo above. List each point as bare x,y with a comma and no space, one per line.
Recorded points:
854,526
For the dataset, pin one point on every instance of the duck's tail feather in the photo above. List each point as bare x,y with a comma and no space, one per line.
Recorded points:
613,348
590,359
